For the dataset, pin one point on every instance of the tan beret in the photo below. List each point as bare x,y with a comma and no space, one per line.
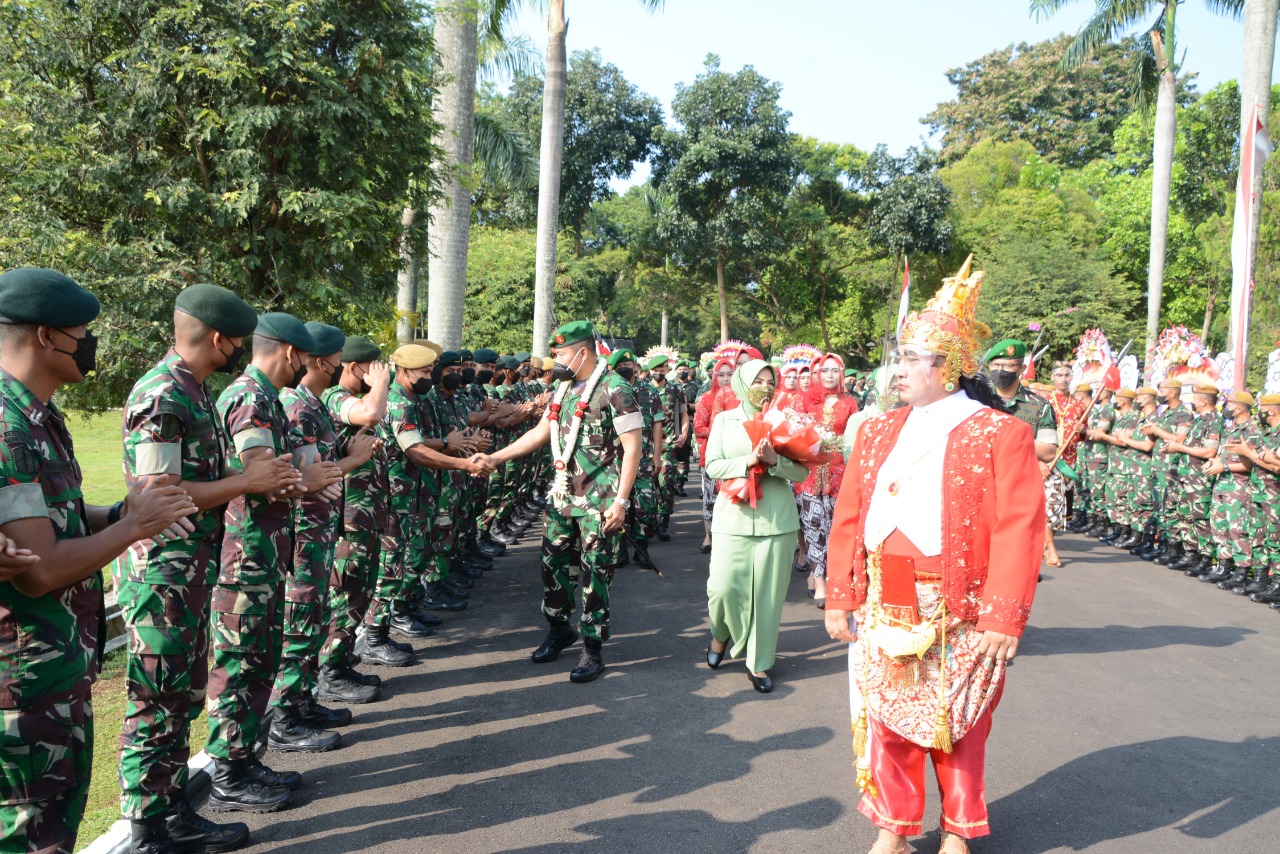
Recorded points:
1241,397
430,345
1146,389
1085,387
1206,389
1270,400
413,357
548,363
1127,393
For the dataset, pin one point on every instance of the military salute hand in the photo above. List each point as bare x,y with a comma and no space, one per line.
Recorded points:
13,560
158,512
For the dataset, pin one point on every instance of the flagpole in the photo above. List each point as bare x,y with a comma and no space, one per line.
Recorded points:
1254,149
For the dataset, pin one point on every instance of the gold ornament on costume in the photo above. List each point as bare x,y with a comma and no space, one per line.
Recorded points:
948,325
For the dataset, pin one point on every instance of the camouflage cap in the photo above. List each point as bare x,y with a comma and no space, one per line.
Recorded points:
219,309
45,297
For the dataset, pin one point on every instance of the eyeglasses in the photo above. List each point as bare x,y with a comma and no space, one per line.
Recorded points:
912,358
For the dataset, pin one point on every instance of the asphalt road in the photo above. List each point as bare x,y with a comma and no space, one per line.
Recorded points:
1142,716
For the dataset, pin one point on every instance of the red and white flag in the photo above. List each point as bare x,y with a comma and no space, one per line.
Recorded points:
906,295
1255,148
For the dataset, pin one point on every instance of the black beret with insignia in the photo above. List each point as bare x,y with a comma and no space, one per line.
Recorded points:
219,309
44,297
449,358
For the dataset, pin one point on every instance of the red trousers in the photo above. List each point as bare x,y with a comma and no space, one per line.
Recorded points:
897,769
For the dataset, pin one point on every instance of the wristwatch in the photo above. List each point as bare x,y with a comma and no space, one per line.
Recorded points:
626,505
444,443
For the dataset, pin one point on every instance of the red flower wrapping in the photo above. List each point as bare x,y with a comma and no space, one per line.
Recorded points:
740,489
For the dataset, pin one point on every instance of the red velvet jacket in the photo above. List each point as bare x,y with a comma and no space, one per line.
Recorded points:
992,519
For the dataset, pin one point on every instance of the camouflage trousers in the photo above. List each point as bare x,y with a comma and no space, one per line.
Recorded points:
1092,478
446,535
355,573
1234,520
644,509
682,463
46,757
1166,500
393,560
500,493
1191,506
246,659
1140,499
306,598
166,677
666,482
577,553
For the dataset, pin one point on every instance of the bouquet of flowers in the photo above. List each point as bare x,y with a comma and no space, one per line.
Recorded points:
793,436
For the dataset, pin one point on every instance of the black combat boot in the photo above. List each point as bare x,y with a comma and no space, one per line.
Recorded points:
234,788
322,717
1097,527
489,547
404,624
624,558
1201,567
1220,573
191,832
663,522
644,561
349,672
1126,534
290,733
1261,579
378,649
151,836
590,663
1186,559
1270,593
1147,546
1078,522
558,637
502,536
1238,578
439,599
1112,534
290,780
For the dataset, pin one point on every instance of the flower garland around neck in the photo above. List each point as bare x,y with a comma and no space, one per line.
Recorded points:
563,453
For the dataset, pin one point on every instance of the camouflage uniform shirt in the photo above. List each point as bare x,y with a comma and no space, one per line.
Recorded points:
311,433
366,487
597,460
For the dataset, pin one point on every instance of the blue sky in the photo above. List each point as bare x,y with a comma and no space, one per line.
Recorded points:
851,71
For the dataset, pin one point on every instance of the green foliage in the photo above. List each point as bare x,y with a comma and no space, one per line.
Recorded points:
265,146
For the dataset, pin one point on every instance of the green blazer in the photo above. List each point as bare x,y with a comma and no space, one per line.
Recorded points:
775,513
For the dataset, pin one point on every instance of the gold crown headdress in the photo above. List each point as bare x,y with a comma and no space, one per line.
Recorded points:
949,326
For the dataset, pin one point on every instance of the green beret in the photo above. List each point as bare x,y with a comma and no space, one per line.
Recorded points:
467,355
485,356
219,309
508,363
522,356
617,357
449,358
850,372
1009,348
360,349
657,362
573,332
44,298
286,328
329,339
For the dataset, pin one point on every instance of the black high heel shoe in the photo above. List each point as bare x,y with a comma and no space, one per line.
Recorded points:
714,658
763,684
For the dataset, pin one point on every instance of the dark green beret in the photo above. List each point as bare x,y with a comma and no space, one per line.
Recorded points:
360,349
617,357
450,357
329,339
467,355
658,361
485,356
522,356
850,372
573,332
44,298
1009,348
508,363
219,309
286,328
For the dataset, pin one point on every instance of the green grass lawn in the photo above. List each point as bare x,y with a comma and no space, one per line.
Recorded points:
99,450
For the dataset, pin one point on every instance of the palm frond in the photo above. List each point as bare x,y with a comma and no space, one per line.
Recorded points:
1226,8
498,16
1042,10
1144,73
504,153
508,58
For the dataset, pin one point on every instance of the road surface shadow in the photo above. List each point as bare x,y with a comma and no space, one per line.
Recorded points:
1100,639
1197,786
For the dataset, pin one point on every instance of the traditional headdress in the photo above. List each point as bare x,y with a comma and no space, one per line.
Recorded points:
799,355
729,350
672,354
949,326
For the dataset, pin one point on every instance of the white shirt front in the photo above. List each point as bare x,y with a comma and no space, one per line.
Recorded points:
915,465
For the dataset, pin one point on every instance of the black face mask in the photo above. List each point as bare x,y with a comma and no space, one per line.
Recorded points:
451,382
232,365
524,372
85,355
659,378
484,377
682,376
468,376
337,375
626,373
298,374
421,385
364,384
562,373
1003,379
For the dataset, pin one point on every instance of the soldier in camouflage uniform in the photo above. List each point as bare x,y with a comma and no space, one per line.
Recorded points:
596,446
1095,472
1172,425
688,383
171,432
642,519
675,423
1140,493
1119,470
1265,454
1233,516
256,552
299,723
1194,495
51,603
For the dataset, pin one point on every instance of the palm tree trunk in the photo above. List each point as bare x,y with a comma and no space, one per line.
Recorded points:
449,226
1162,176
406,280
666,323
723,291
550,157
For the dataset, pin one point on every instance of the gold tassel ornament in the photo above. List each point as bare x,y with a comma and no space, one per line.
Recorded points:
942,726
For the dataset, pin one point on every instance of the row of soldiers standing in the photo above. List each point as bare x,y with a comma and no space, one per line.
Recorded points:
288,528
1186,485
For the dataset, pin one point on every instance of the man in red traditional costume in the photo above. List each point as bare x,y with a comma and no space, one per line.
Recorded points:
936,540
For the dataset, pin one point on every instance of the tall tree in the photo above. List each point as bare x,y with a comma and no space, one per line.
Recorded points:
551,155
730,161
1155,68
